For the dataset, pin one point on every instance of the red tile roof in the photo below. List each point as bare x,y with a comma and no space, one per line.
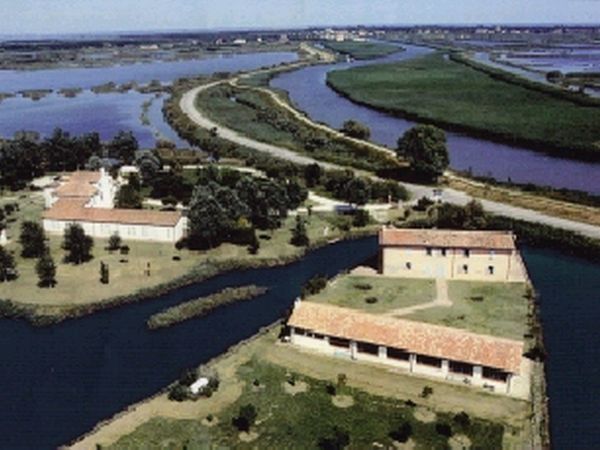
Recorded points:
78,184
74,211
497,240
79,187
415,337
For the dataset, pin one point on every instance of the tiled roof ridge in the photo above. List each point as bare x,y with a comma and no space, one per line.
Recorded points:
418,337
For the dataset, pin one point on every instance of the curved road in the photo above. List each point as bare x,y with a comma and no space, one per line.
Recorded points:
187,105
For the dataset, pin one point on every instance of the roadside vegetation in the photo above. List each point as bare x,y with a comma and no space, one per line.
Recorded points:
254,114
203,306
362,50
437,90
572,205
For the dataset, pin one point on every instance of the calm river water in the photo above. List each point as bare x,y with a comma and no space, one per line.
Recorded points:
309,92
58,382
109,113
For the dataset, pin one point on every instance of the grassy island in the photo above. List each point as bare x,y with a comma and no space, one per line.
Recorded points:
437,90
363,50
203,306
301,398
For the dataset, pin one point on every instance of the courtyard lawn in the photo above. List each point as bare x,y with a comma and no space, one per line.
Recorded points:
358,292
363,50
499,309
438,90
79,285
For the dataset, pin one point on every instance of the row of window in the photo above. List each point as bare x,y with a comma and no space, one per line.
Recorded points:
465,268
456,367
466,252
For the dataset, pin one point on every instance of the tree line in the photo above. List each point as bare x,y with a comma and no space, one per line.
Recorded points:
26,156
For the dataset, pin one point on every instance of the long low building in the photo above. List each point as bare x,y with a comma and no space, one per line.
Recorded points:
451,254
416,347
85,198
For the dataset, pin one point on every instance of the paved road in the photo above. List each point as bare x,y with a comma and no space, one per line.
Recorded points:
187,105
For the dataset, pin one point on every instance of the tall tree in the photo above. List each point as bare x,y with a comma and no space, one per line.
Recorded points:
77,244
46,271
312,174
60,151
357,192
104,273
32,240
123,147
299,234
425,148
356,129
205,216
8,268
149,164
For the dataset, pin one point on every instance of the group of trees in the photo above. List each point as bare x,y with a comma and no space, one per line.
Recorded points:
26,156
345,185
424,146
227,205
34,246
356,129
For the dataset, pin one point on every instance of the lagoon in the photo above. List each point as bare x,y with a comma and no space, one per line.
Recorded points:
109,112
308,90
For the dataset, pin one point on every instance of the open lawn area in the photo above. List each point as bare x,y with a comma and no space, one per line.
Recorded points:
438,90
299,402
376,294
498,309
79,285
363,50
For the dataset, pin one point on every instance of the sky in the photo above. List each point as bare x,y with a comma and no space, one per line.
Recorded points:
79,16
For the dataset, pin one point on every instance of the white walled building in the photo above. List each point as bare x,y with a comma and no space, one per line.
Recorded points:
87,198
415,347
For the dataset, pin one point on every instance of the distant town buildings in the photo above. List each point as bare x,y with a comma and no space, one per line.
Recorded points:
87,198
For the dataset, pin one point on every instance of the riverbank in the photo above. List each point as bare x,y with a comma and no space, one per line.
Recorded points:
22,299
433,89
259,371
583,208
362,50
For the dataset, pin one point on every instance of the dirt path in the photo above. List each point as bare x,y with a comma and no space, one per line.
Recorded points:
441,299
188,106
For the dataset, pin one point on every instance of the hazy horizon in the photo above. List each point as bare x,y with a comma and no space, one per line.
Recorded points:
67,17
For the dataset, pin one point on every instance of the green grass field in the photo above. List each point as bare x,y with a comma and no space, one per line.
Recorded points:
362,50
498,309
437,90
298,417
352,291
